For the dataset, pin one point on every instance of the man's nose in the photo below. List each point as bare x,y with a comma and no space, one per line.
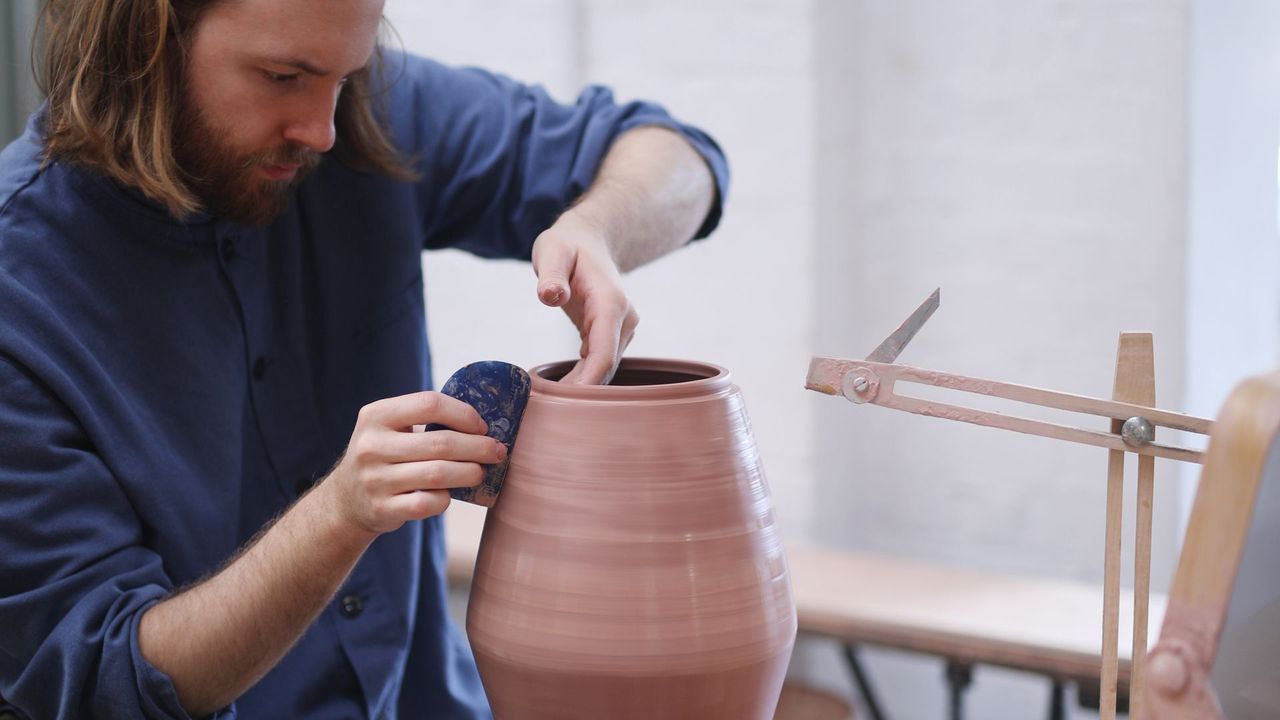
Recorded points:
313,128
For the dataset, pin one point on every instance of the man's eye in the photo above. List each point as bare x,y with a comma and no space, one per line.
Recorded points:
280,77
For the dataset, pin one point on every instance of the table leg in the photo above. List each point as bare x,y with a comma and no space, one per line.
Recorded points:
959,676
1057,701
864,684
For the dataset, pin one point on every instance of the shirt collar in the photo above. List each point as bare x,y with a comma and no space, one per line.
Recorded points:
123,198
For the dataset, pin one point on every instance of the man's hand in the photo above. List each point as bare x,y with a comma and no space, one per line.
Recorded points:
650,196
577,274
391,474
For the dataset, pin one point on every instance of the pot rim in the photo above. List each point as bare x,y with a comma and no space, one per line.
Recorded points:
708,379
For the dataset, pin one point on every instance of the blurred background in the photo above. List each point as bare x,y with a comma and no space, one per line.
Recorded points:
1063,169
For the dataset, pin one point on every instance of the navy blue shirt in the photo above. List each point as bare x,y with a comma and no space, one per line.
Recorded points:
167,387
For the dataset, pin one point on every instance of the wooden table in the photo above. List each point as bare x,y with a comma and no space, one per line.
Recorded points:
967,617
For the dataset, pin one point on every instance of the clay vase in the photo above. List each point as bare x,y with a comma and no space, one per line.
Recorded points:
631,567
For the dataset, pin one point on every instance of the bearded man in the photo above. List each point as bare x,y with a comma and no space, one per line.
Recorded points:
213,353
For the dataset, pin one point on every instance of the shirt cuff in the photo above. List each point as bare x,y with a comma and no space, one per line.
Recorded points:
157,696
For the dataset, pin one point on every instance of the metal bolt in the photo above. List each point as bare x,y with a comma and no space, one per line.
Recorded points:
858,388
1168,673
1137,431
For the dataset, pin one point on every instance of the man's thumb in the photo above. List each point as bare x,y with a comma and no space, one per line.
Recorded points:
553,278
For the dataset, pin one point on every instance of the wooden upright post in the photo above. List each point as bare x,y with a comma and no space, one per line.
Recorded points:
1142,545
1135,383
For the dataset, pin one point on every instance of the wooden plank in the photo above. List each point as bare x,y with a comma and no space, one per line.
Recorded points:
1141,581
1134,383
829,375
826,375
1043,625
933,408
1111,586
1144,393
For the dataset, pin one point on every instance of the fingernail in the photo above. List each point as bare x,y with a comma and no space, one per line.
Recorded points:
502,452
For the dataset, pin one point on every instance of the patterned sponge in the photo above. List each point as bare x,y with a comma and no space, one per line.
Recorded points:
499,392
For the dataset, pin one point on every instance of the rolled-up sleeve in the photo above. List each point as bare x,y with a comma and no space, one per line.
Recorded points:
500,160
74,575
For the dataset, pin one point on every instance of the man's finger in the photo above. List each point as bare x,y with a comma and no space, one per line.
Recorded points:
444,445
386,448
600,362
432,475
418,504
424,408
628,331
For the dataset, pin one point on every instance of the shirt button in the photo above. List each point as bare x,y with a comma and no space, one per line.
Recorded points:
351,605
259,368
228,250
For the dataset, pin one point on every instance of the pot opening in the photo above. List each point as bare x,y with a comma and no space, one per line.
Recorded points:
636,376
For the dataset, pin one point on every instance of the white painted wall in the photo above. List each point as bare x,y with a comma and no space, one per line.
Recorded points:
1233,254
1030,158
1233,268
19,95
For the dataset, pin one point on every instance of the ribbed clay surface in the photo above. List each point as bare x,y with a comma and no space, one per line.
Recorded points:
631,567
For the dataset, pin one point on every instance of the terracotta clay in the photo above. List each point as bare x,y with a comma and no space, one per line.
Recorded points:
631,567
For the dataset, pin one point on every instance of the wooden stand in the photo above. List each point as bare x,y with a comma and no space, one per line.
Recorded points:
1135,383
1133,420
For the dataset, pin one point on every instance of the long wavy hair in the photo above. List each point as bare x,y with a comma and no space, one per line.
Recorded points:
113,72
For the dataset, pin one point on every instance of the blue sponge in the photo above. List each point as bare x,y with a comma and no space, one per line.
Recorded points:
499,392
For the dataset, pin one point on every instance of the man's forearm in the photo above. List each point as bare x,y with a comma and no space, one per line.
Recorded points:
650,196
217,638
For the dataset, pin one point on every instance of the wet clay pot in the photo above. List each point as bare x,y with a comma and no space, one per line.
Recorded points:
631,566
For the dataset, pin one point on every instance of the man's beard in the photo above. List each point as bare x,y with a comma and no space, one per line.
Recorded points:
231,186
